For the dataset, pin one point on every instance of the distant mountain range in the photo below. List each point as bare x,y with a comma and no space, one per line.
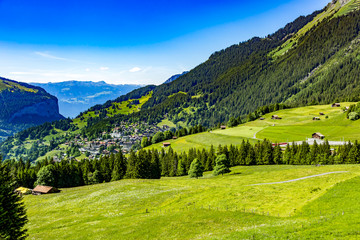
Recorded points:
77,96
173,78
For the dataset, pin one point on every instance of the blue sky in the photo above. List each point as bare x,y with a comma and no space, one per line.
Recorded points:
142,42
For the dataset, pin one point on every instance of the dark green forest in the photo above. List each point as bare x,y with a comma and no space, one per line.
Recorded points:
153,164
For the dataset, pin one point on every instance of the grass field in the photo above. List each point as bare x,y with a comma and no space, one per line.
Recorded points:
297,124
206,208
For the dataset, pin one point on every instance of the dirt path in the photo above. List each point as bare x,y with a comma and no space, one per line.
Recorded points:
297,179
257,132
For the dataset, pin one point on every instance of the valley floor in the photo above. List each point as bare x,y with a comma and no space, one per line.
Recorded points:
222,207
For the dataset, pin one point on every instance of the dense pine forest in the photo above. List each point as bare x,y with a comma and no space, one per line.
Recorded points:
153,164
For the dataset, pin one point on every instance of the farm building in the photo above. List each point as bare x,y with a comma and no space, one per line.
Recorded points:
262,118
316,118
38,190
174,137
275,117
166,144
321,114
223,127
318,136
335,105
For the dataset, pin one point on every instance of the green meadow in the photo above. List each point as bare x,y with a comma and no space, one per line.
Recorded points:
222,207
297,124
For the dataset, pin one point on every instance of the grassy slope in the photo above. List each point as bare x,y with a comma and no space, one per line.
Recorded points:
333,10
13,85
296,125
116,210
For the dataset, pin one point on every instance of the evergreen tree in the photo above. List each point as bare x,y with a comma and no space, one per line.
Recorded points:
46,176
222,165
181,168
12,210
155,165
196,169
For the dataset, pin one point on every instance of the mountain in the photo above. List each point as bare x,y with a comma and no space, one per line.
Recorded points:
312,60
173,78
77,96
24,105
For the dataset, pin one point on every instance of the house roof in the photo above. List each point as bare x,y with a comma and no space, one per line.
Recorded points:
42,189
319,134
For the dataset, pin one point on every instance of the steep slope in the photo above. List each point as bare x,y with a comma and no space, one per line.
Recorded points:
77,96
237,80
24,105
173,78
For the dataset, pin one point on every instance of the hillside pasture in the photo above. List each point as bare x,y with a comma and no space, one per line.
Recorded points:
225,207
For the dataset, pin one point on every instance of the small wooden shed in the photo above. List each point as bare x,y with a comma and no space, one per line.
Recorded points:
321,114
223,127
316,118
318,136
38,190
335,105
262,118
166,144
275,117
174,137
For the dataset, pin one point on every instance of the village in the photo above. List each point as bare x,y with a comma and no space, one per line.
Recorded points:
122,137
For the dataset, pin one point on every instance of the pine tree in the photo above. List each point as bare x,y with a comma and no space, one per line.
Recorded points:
12,210
196,169
222,165
155,165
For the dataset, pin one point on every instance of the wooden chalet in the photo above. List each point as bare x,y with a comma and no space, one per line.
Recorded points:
316,118
335,105
318,136
262,118
321,114
166,144
223,127
275,117
38,190
174,137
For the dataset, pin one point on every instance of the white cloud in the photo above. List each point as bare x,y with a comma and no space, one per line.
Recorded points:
47,55
135,69
104,68
22,73
88,69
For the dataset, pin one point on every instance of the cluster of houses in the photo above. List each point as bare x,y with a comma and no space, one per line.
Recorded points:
122,137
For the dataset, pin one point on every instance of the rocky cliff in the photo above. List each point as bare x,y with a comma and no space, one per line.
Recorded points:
26,104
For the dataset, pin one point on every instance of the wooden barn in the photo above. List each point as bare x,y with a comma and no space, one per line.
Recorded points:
166,144
318,136
262,118
335,105
316,118
223,127
174,137
38,190
275,117
321,114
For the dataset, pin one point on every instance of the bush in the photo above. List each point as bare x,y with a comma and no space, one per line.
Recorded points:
354,116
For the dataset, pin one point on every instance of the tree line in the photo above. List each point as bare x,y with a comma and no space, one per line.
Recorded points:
154,164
